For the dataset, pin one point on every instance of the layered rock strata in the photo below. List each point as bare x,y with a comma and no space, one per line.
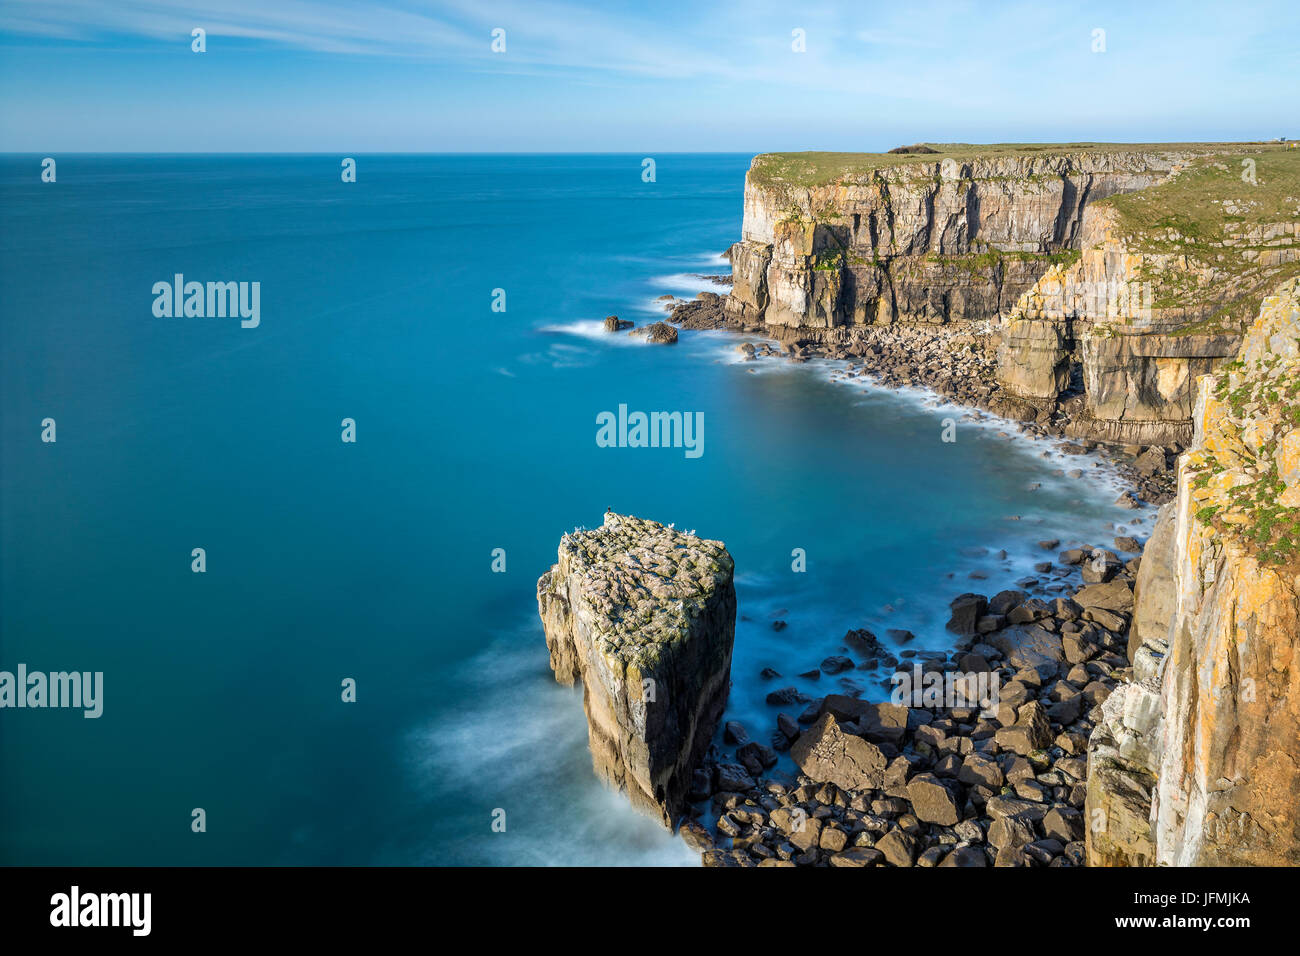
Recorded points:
1197,758
1148,308
930,241
644,616
1114,276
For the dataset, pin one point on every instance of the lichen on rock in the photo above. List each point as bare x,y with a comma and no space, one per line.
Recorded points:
1195,758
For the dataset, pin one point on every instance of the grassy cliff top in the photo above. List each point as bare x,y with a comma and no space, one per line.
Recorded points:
1218,232
819,169
1216,195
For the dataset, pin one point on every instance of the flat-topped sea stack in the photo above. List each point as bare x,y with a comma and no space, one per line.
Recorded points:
644,615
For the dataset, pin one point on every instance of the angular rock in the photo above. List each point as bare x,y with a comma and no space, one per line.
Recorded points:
967,609
932,800
1112,596
1012,830
966,856
898,847
1032,731
828,755
659,333
978,769
857,856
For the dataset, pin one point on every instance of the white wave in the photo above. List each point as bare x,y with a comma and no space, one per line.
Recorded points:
518,741
594,330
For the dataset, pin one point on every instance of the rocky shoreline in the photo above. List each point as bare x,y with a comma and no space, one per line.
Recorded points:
887,784
1059,308
957,361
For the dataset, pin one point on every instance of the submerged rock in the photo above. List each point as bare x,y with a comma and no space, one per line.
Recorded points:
659,333
644,615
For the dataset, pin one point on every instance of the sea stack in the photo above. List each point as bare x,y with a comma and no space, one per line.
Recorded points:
644,615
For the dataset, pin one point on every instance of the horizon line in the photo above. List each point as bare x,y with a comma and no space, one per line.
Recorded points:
623,152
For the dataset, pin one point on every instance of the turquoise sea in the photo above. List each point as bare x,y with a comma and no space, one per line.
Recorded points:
373,560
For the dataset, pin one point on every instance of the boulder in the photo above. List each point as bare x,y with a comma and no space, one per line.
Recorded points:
884,722
828,755
1002,602
932,800
967,609
1151,462
966,856
1031,731
857,856
898,847
1112,596
658,333
1064,824
1030,646
978,769
1100,567
1016,829
836,665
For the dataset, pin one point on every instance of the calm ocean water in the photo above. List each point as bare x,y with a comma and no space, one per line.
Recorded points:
373,560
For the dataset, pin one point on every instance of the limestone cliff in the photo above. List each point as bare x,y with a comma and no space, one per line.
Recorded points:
1197,758
1165,282
1119,274
832,240
644,616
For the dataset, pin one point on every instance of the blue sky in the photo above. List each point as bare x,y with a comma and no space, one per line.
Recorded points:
327,75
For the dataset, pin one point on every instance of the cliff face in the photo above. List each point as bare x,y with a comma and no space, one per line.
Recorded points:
1166,280
1120,274
1196,760
644,616
1138,361
929,241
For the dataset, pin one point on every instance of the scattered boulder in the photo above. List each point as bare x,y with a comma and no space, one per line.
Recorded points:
1151,462
967,609
1112,596
827,755
898,847
932,800
836,665
1032,731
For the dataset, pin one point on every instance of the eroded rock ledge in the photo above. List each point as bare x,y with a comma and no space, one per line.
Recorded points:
644,615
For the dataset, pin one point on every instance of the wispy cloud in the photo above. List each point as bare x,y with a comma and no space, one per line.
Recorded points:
927,68
316,25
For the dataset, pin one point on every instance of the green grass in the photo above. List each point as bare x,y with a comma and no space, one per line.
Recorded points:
1202,214
1271,531
1193,202
820,169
